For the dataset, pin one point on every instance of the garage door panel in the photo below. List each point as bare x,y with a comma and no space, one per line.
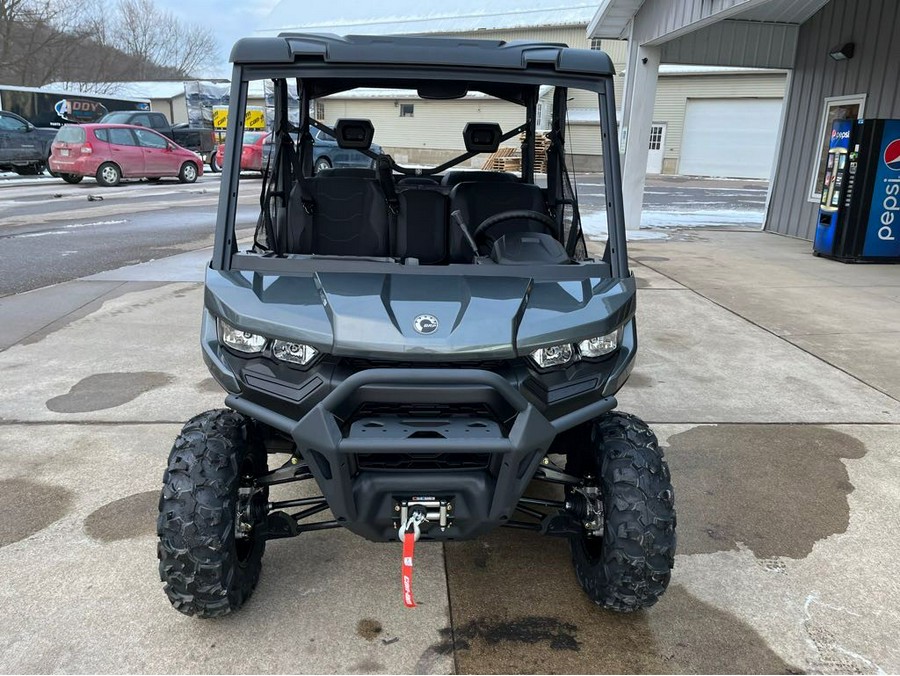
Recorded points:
733,137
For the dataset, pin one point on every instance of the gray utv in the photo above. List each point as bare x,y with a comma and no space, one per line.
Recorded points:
422,344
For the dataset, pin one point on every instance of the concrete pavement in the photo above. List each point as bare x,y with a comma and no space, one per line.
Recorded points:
771,380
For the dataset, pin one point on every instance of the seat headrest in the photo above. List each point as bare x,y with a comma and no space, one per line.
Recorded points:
355,134
482,137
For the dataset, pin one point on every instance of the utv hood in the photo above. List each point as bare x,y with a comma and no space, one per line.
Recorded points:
419,317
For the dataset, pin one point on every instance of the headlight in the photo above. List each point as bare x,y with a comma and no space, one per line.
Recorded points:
555,355
242,341
296,353
599,346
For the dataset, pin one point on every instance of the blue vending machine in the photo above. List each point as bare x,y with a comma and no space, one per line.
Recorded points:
859,213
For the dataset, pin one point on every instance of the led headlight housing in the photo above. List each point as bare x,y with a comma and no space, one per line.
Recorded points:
242,341
600,346
295,353
554,355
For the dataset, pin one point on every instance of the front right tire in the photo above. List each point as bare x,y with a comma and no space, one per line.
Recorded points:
188,173
628,566
71,178
212,520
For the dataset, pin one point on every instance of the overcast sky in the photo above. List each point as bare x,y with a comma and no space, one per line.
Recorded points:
234,19
231,20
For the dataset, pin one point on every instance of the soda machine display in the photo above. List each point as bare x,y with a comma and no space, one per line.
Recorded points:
859,211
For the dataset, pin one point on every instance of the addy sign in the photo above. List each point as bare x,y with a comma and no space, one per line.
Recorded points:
79,110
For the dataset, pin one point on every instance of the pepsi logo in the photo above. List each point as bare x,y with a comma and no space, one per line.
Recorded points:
892,155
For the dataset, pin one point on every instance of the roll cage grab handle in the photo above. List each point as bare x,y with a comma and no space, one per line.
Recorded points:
225,245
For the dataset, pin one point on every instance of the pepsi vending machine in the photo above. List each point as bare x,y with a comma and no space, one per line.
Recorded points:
859,213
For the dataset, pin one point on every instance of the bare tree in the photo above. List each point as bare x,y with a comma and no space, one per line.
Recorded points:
59,40
157,36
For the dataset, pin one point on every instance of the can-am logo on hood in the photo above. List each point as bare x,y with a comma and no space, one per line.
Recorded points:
425,324
79,110
892,155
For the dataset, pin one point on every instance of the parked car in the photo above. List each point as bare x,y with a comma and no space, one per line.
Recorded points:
23,147
201,140
111,152
257,146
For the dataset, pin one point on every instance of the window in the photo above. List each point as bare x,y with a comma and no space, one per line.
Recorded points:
656,135
597,43
141,120
148,139
836,108
121,137
158,121
100,134
406,109
10,123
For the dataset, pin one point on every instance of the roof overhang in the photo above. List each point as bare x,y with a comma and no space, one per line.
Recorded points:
612,19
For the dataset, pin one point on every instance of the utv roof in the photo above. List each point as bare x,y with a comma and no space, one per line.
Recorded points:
518,56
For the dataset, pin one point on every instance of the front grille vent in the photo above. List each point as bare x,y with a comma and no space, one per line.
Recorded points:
421,461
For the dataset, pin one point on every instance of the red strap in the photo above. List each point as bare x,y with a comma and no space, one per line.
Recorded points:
406,569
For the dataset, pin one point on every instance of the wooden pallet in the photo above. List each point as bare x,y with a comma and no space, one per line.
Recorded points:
541,146
497,161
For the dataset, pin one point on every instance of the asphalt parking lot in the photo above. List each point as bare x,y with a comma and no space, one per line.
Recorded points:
766,373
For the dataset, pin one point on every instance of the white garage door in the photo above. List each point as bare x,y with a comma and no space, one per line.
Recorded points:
730,137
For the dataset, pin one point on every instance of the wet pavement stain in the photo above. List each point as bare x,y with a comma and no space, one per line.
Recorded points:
209,385
107,390
28,507
776,489
131,517
369,629
639,380
530,577
641,283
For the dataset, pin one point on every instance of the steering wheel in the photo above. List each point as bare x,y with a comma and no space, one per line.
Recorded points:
534,216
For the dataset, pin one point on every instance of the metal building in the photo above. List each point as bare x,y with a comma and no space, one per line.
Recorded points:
841,55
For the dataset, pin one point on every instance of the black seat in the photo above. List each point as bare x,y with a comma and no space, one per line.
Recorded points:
339,216
453,178
477,201
419,180
346,172
422,223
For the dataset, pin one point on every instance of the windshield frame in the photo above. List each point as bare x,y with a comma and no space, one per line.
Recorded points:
225,252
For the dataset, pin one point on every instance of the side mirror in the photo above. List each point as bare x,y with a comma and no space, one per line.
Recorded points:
170,147
29,127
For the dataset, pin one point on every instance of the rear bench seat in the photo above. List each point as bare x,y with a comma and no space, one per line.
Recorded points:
347,214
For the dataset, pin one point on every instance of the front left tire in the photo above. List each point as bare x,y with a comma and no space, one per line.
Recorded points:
627,565
72,178
212,520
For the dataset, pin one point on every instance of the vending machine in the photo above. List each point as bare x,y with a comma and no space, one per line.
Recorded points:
859,212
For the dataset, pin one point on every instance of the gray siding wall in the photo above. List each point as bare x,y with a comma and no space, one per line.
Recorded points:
873,25
736,43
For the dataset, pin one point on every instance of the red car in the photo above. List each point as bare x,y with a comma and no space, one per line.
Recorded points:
111,152
252,151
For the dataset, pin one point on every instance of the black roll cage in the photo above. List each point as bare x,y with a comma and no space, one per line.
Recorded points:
225,253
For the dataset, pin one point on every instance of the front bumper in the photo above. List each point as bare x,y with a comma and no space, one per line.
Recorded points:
363,495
